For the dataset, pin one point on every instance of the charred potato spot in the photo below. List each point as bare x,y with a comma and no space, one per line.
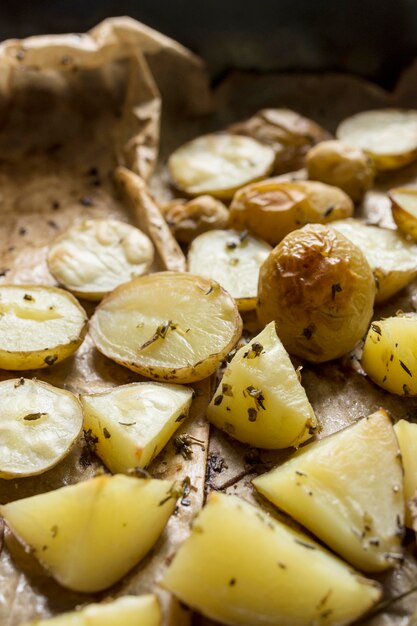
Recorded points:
187,220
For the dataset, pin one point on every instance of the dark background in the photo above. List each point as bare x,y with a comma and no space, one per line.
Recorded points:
374,38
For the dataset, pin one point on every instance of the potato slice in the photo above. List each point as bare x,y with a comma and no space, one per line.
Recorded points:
232,259
404,209
39,326
407,440
388,136
260,399
187,220
132,423
126,611
218,164
95,256
391,257
170,326
347,489
240,566
390,354
272,208
38,425
91,534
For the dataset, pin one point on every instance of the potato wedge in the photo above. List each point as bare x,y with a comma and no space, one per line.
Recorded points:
169,326
95,256
390,354
240,566
388,136
318,287
407,439
132,423
348,490
125,611
188,219
91,534
260,399
391,257
39,326
404,209
233,259
218,164
38,425
272,208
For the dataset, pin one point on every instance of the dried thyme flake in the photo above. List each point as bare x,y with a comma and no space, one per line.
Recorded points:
127,423
405,368
218,400
252,414
232,582
28,297
31,417
254,351
50,360
305,544
257,395
227,390
376,329
160,333
336,288
106,433
183,445
19,383
329,211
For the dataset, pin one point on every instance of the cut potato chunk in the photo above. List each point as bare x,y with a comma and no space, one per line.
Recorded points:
347,489
97,255
132,423
38,425
232,259
189,219
407,440
260,399
391,257
240,566
218,164
39,326
390,354
169,326
127,611
91,534
389,136
404,210
272,208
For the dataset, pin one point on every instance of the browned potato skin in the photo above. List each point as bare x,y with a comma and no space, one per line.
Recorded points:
320,290
272,208
336,163
405,220
289,134
187,220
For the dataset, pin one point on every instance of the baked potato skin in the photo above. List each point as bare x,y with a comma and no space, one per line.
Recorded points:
320,290
188,219
403,208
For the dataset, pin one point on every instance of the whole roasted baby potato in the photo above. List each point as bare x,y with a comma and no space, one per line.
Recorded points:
336,163
187,220
320,290
271,209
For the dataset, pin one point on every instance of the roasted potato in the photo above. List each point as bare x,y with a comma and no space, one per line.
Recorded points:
407,440
271,209
188,219
344,166
39,326
218,164
319,289
404,210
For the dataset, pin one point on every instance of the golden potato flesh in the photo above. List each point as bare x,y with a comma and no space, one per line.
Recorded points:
218,164
344,166
407,439
273,208
288,133
404,210
39,326
242,567
319,289
390,354
169,326
391,257
388,136
38,425
189,219
97,255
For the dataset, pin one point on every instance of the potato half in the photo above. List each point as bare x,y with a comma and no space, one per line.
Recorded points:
348,490
95,256
388,136
404,209
126,611
260,399
91,534
240,566
407,439
218,164
390,354
134,422
391,257
169,326
231,258
272,208
319,289
39,326
38,425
